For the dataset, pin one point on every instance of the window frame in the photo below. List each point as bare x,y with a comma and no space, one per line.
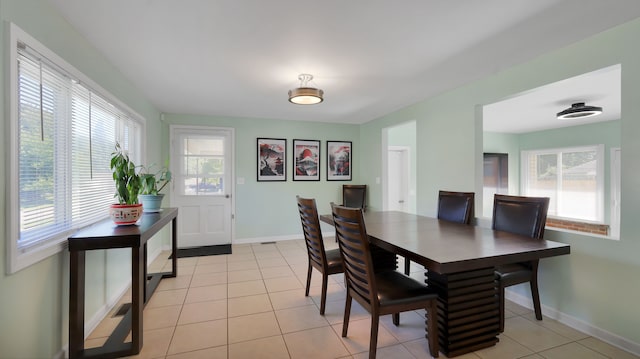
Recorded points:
600,177
16,257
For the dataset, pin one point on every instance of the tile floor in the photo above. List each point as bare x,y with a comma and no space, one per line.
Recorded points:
251,304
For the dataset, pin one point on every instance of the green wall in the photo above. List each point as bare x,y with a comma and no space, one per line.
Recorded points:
267,210
34,301
596,285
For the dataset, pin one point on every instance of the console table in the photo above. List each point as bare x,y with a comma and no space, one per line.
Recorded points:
107,235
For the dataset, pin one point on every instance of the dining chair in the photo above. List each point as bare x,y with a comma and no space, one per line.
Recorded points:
382,292
354,196
327,262
526,216
452,207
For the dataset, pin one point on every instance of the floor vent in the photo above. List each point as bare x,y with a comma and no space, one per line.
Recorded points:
273,242
122,310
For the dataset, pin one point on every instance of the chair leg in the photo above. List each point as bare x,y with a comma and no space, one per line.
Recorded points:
432,325
323,297
407,266
396,319
347,313
306,292
535,295
501,308
373,341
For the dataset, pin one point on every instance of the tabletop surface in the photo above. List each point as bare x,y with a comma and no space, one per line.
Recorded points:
447,247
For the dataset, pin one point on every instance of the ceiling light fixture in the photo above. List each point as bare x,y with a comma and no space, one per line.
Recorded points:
579,110
305,95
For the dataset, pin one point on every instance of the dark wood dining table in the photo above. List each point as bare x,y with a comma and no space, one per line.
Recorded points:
459,263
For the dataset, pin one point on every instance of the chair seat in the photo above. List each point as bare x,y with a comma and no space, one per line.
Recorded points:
395,288
334,261
515,273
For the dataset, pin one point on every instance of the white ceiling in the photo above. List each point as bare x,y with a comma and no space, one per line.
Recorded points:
371,57
536,109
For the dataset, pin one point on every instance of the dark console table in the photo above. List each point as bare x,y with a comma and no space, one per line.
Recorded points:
107,235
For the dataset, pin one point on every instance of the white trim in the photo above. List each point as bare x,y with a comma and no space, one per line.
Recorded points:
615,167
577,324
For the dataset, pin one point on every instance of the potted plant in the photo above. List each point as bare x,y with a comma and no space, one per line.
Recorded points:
127,181
151,183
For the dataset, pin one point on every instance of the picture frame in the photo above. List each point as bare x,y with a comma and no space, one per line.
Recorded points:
271,158
339,155
306,160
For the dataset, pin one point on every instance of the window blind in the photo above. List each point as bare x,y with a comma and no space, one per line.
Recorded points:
66,135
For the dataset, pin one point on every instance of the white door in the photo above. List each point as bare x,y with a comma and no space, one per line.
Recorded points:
397,179
202,165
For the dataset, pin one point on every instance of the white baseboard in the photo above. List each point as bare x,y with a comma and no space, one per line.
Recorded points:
267,239
575,323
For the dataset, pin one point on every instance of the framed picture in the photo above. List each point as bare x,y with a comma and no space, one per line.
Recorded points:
306,160
272,159
338,161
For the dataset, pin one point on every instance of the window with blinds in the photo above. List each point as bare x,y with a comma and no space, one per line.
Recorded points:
66,132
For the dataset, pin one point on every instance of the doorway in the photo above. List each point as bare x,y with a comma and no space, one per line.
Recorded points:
202,166
399,167
398,178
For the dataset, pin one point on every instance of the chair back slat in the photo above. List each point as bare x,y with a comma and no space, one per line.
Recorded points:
354,195
354,249
456,206
311,229
521,215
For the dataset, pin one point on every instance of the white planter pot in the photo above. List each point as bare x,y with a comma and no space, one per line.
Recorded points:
124,214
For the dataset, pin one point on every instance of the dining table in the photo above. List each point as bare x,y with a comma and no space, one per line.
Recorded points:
459,262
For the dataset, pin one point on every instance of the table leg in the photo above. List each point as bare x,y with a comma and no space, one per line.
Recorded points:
468,310
76,303
137,297
174,246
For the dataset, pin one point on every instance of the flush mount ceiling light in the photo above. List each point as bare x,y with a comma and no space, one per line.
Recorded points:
579,110
305,95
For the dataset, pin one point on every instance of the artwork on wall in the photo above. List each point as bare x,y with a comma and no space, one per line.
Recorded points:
306,160
272,159
338,161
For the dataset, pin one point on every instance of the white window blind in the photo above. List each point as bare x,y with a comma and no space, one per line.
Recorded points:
66,132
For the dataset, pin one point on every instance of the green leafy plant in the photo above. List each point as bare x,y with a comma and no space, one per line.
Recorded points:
125,176
153,182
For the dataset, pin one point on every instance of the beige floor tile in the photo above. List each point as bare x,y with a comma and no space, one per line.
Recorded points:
606,349
249,305
531,335
298,260
276,272
187,261
532,356
267,348
557,327
161,317
244,275
242,265
106,327
335,292
179,282
316,278
254,326
264,247
392,352
516,308
167,297
507,348
209,353
411,326
571,351
357,340
270,254
271,262
156,343
182,270
289,299
334,312
242,257
206,293
242,289
304,344
203,311
201,280
210,268
282,283
198,336
300,318
212,259
95,342
240,249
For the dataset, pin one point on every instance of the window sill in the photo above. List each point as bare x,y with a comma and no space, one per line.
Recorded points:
18,261
587,234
